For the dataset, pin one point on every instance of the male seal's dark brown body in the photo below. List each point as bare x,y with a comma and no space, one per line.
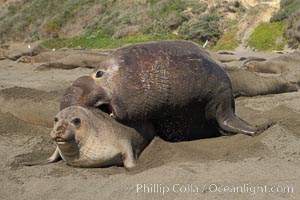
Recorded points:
157,80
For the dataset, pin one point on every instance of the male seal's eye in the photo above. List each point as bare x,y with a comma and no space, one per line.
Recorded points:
99,74
76,121
55,119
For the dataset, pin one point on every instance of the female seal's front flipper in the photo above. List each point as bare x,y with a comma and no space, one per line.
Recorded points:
54,158
128,157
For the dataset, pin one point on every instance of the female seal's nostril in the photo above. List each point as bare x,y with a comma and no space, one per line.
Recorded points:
59,130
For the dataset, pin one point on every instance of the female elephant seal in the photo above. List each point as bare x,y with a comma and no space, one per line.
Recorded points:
90,138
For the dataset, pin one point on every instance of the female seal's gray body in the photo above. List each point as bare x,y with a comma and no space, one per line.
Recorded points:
165,81
91,138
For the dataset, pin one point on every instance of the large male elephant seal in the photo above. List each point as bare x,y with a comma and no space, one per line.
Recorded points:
156,80
90,138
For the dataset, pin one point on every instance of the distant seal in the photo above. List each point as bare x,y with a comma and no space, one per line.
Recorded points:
156,80
277,64
90,138
246,83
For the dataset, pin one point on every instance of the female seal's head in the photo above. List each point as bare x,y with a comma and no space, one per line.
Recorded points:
67,130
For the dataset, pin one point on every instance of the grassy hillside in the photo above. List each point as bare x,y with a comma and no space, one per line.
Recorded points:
42,19
290,14
113,23
283,29
268,36
228,40
102,41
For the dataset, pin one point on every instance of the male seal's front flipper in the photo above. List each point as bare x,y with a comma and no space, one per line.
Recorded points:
54,158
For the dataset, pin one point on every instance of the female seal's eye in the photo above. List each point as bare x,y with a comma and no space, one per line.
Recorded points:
55,119
99,74
76,121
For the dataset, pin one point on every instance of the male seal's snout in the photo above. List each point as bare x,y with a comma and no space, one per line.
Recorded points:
86,83
86,91
78,93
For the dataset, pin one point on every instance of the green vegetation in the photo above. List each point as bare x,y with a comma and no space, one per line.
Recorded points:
166,15
289,12
293,30
287,8
42,19
113,23
206,27
29,16
268,36
228,40
101,41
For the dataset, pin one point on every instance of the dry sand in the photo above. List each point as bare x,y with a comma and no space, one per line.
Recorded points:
30,98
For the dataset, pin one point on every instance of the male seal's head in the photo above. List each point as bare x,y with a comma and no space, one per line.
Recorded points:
90,91
97,91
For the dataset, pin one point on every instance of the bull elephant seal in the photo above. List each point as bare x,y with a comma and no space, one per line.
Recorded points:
155,80
90,138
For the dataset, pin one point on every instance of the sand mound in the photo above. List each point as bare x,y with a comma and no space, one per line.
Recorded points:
231,149
32,106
